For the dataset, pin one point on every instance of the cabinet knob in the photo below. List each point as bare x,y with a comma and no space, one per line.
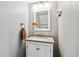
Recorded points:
37,49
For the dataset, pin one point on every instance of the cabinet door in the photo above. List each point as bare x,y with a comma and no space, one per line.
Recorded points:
31,50
34,49
44,51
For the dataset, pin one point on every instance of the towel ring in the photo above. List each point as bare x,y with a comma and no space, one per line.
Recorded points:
22,25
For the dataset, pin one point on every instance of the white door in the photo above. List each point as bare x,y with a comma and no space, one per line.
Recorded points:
68,28
38,50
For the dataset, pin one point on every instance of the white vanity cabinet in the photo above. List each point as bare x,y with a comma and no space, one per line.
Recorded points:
38,49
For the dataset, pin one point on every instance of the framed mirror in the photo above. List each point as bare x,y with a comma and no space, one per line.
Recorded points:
42,18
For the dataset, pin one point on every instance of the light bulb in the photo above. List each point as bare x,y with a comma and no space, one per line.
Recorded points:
34,7
40,6
47,4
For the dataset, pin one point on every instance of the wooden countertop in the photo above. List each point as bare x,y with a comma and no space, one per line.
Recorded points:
41,39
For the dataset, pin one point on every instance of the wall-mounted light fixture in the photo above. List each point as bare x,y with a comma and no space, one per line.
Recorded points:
59,13
40,5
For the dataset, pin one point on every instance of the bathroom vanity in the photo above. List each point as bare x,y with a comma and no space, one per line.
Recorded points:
39,46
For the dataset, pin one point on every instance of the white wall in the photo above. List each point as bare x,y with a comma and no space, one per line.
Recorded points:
69,29
11,15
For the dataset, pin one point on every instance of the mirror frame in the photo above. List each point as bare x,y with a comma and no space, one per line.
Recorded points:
42,29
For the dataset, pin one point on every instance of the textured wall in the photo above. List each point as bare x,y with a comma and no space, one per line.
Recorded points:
69,29
11,15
